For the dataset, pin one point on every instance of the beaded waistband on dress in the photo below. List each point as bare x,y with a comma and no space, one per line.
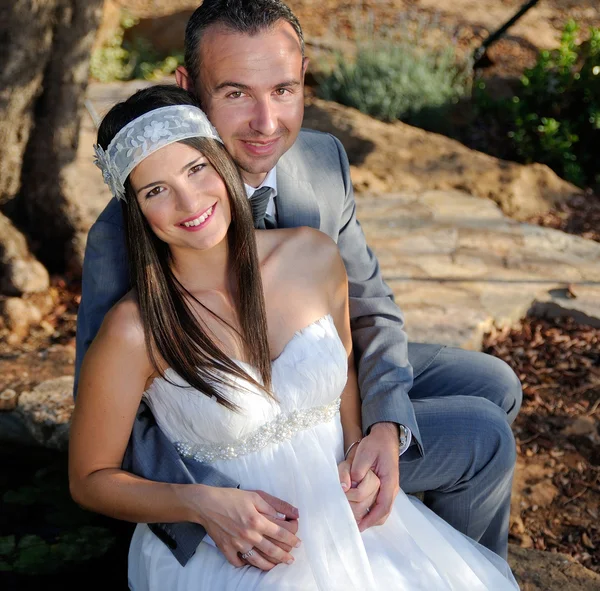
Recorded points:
284,427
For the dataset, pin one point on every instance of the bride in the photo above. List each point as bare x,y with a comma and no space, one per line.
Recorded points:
240,342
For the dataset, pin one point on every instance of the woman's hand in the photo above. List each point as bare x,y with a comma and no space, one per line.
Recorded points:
360,495
242,522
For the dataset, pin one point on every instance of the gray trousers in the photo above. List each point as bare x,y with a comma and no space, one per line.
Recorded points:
464,403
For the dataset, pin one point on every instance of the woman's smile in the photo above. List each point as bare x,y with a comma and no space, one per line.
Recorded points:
194,224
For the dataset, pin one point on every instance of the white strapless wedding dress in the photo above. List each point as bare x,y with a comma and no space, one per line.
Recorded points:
291,449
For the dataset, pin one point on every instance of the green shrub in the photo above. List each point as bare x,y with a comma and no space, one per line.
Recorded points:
121,60
554,117
396,76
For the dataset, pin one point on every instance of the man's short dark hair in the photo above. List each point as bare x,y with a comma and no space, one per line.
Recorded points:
241,16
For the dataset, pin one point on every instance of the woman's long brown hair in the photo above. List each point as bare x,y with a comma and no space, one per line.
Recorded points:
174,335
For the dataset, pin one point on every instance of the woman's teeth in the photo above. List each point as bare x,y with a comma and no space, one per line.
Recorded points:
200,219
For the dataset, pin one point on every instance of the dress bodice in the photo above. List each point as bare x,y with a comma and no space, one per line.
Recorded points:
308,378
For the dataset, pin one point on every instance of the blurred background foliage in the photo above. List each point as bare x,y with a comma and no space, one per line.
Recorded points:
554,115
123,59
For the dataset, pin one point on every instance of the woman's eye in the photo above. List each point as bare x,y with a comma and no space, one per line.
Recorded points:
197,168
154,192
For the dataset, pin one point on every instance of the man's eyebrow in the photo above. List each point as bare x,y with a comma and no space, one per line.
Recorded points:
231,84
240,86
183,169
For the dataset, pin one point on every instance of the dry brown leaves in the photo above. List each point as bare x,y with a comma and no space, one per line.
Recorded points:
557,433
580,215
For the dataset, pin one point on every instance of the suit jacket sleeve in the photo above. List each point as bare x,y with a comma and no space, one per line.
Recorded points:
380,344
149,453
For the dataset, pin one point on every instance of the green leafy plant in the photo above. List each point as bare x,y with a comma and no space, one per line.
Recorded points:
554,116
61,534
397,75
137,59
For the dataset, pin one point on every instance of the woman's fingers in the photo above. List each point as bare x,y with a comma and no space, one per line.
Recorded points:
257,559
344,473
280,534
291,526
274,553
363,496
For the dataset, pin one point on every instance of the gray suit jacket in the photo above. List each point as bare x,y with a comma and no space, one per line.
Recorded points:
313,189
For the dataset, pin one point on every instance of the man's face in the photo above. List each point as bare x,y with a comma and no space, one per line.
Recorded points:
252,89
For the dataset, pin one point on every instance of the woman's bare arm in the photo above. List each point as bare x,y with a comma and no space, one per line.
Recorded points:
113,377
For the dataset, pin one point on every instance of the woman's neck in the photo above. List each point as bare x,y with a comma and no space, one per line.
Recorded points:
203,270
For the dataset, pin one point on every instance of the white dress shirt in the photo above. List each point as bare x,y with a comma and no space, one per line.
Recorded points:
270,181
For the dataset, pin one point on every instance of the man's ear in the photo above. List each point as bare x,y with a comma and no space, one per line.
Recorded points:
183,79
305,61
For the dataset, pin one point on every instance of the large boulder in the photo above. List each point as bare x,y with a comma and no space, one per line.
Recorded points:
393,157
45,412
20,271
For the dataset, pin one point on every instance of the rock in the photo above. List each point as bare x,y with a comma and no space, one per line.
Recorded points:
542,494
458,266
20,271
400,157
8,400
19,316
581,426
545,571
46,412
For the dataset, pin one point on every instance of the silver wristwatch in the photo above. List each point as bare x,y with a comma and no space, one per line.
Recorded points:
405,438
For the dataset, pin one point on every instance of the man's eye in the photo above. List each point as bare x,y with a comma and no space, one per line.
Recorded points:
282,91
235,95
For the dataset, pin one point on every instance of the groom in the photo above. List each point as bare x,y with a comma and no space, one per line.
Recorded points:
445,411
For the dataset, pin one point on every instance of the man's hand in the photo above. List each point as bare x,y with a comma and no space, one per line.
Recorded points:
360,495
379,451
239,521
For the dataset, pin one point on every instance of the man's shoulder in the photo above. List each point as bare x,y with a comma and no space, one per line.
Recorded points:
111,214
313,139
314,150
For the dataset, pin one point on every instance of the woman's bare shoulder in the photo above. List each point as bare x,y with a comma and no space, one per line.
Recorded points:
123,323
298,244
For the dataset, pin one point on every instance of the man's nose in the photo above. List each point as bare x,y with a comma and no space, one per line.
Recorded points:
264,117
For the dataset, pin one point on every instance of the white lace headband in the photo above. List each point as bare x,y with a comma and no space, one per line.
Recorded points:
146,134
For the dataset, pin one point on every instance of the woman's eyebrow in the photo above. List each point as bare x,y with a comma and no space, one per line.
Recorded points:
184,168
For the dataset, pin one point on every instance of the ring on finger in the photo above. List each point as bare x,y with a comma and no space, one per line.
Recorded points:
248,554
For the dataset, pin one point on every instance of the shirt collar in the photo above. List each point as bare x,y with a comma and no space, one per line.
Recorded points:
270,181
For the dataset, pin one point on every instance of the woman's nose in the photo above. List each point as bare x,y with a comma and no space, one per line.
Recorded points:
187,200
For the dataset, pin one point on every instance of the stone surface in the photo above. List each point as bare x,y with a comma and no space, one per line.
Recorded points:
457,265
545,571
45,412
8,400
20,272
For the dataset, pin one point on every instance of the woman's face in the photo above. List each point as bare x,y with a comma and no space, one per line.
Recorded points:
183,197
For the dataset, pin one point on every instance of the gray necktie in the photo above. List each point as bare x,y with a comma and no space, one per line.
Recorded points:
259,202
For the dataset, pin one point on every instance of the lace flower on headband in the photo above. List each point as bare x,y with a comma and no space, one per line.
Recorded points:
145,135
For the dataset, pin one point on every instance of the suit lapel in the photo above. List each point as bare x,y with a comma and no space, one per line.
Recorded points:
297,204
